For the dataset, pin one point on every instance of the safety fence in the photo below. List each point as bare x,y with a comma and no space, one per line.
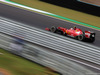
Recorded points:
42,56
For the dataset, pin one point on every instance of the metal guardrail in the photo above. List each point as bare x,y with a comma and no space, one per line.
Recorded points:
45,57
52,41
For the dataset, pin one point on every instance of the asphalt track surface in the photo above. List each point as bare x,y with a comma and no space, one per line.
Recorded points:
40,21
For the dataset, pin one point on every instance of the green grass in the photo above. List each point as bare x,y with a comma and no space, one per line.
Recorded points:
65,12
20,66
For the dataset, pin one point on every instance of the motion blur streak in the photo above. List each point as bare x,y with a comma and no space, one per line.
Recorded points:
40,21
51,14
37,53
55,42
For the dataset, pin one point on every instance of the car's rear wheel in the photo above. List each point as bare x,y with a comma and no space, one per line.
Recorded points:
92,39
53,29
80,37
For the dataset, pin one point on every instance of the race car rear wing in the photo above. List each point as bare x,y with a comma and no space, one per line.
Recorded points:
89,34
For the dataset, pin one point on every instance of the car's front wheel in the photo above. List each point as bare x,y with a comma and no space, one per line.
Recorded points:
53,29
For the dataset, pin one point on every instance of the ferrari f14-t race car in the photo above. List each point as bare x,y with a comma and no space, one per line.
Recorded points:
74,32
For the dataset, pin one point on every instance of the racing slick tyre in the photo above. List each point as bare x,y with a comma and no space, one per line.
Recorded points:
92,39
53,29
80,37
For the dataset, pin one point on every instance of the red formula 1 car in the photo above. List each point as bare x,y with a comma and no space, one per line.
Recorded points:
74,32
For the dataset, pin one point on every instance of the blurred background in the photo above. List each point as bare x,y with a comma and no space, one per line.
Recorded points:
27,49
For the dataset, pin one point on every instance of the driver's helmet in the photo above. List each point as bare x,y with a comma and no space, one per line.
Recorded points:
71,28
74,28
